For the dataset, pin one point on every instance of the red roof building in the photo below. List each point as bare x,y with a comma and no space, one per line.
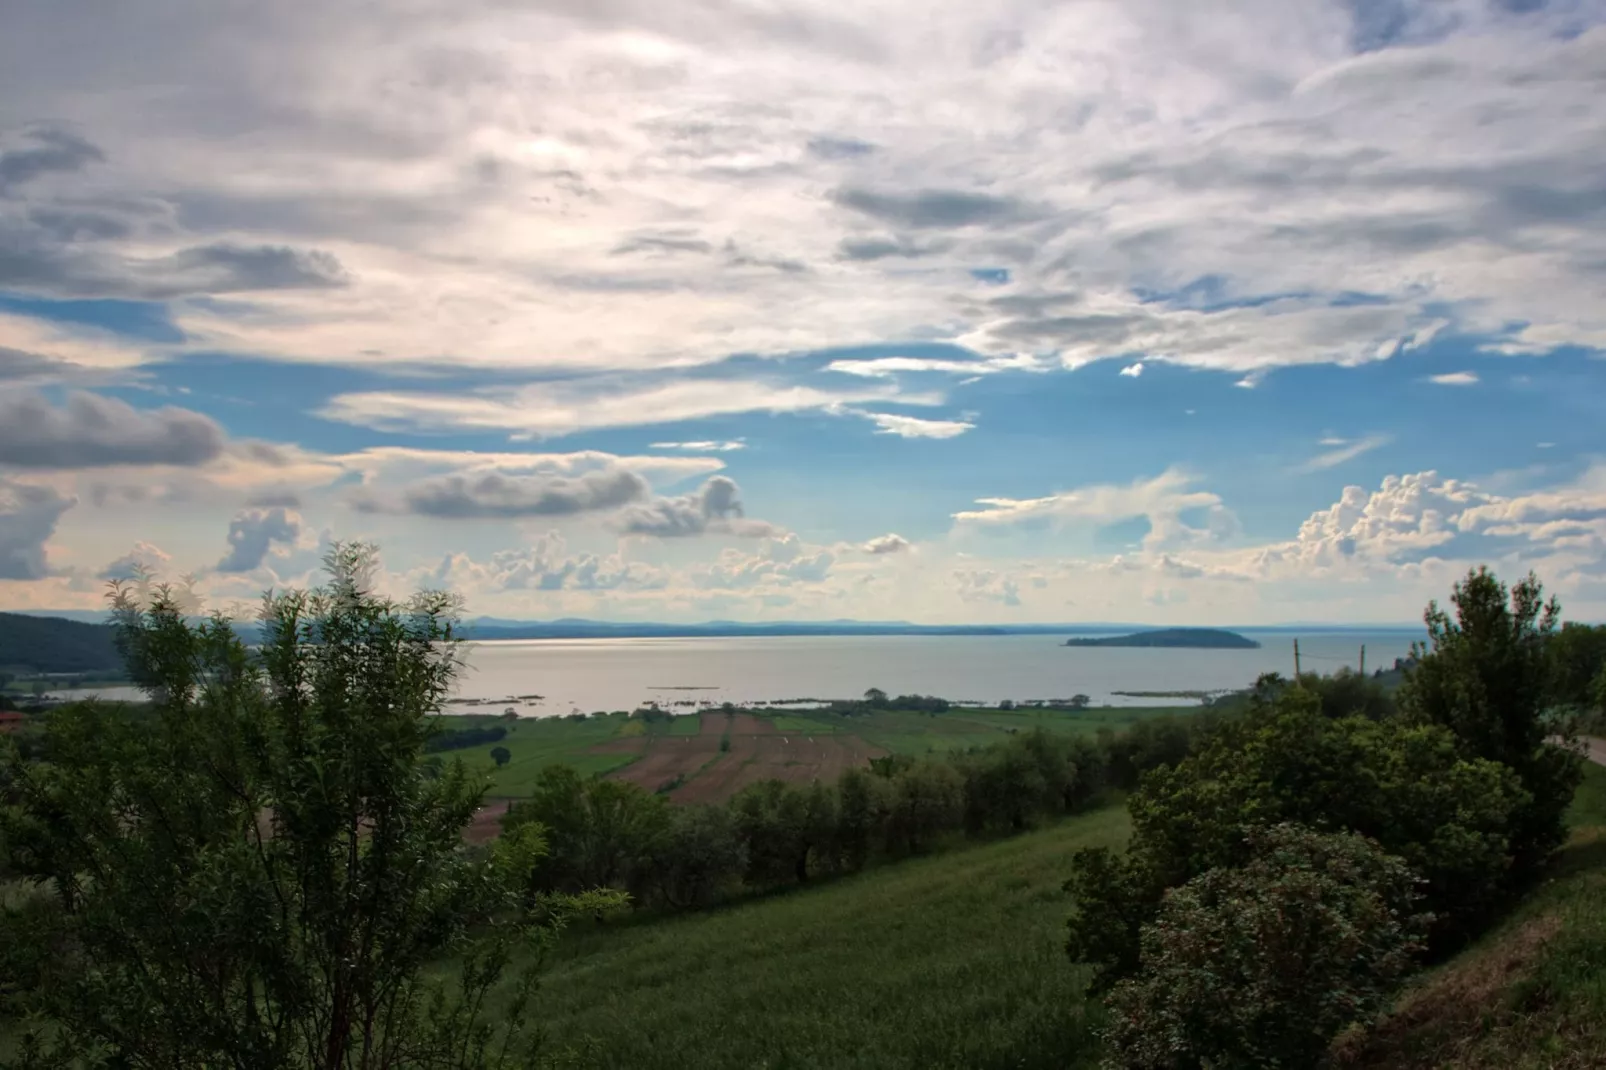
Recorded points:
10,721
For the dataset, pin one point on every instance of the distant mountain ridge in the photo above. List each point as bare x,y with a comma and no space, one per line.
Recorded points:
54,645
491,628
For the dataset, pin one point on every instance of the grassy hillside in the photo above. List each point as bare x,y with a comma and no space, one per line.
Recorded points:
53,645
947,961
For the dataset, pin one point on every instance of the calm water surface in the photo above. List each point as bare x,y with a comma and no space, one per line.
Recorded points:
619,674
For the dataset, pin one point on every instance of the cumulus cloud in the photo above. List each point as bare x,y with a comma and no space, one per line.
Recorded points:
986,585
28,516
1455,379
890,543
254,533
545,565
1132,371
780,562
145,559
91,431
502,496
1407,516
714,507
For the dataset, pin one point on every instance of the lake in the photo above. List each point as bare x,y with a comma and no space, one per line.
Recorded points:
621,674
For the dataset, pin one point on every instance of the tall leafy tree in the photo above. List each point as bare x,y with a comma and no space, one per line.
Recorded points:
1486,674
260,874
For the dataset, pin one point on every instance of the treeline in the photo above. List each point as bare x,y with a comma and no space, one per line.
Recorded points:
611,833
462,738
1310,850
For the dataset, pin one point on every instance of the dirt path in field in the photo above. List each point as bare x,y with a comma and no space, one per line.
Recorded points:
1595,750
486,825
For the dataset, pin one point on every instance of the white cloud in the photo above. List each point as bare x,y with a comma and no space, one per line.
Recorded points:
702,447
1176,513
560,408
1342,451
797,176
144,559
1132,371
914,427
889,367
890,543
1455,379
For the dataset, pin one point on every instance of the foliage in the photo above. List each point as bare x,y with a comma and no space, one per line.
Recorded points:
700,855
1577,665
261,876
1406,786
464,738
600,833
501,756
1485,675
1265,964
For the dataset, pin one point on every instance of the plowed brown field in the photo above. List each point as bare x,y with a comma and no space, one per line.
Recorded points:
758,751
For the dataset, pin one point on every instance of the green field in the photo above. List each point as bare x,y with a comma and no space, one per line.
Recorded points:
536,743
947,961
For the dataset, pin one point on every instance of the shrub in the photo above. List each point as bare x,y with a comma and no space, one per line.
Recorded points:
1263,965
1408,787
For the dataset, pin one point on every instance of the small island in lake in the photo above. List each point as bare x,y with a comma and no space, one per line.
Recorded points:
1201,638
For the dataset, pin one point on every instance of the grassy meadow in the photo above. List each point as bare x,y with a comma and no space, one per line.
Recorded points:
952,960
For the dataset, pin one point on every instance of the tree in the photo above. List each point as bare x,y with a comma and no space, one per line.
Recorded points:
1264,965
863,801
501,756
1485,675
259,875
928,798
601,832
701,854
875,698
1079,702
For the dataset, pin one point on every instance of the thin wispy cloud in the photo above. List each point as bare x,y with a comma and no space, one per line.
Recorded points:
1342,452
1455,379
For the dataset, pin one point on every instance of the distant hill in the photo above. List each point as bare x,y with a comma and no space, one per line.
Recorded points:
1199,638
53,645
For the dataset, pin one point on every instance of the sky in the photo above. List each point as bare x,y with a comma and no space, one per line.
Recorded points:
1027,311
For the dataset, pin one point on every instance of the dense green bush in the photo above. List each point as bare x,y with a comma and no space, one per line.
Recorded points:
1406,786
600,833
1262,965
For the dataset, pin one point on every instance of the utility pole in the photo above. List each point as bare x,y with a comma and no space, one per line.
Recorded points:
1296,661
1363,659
